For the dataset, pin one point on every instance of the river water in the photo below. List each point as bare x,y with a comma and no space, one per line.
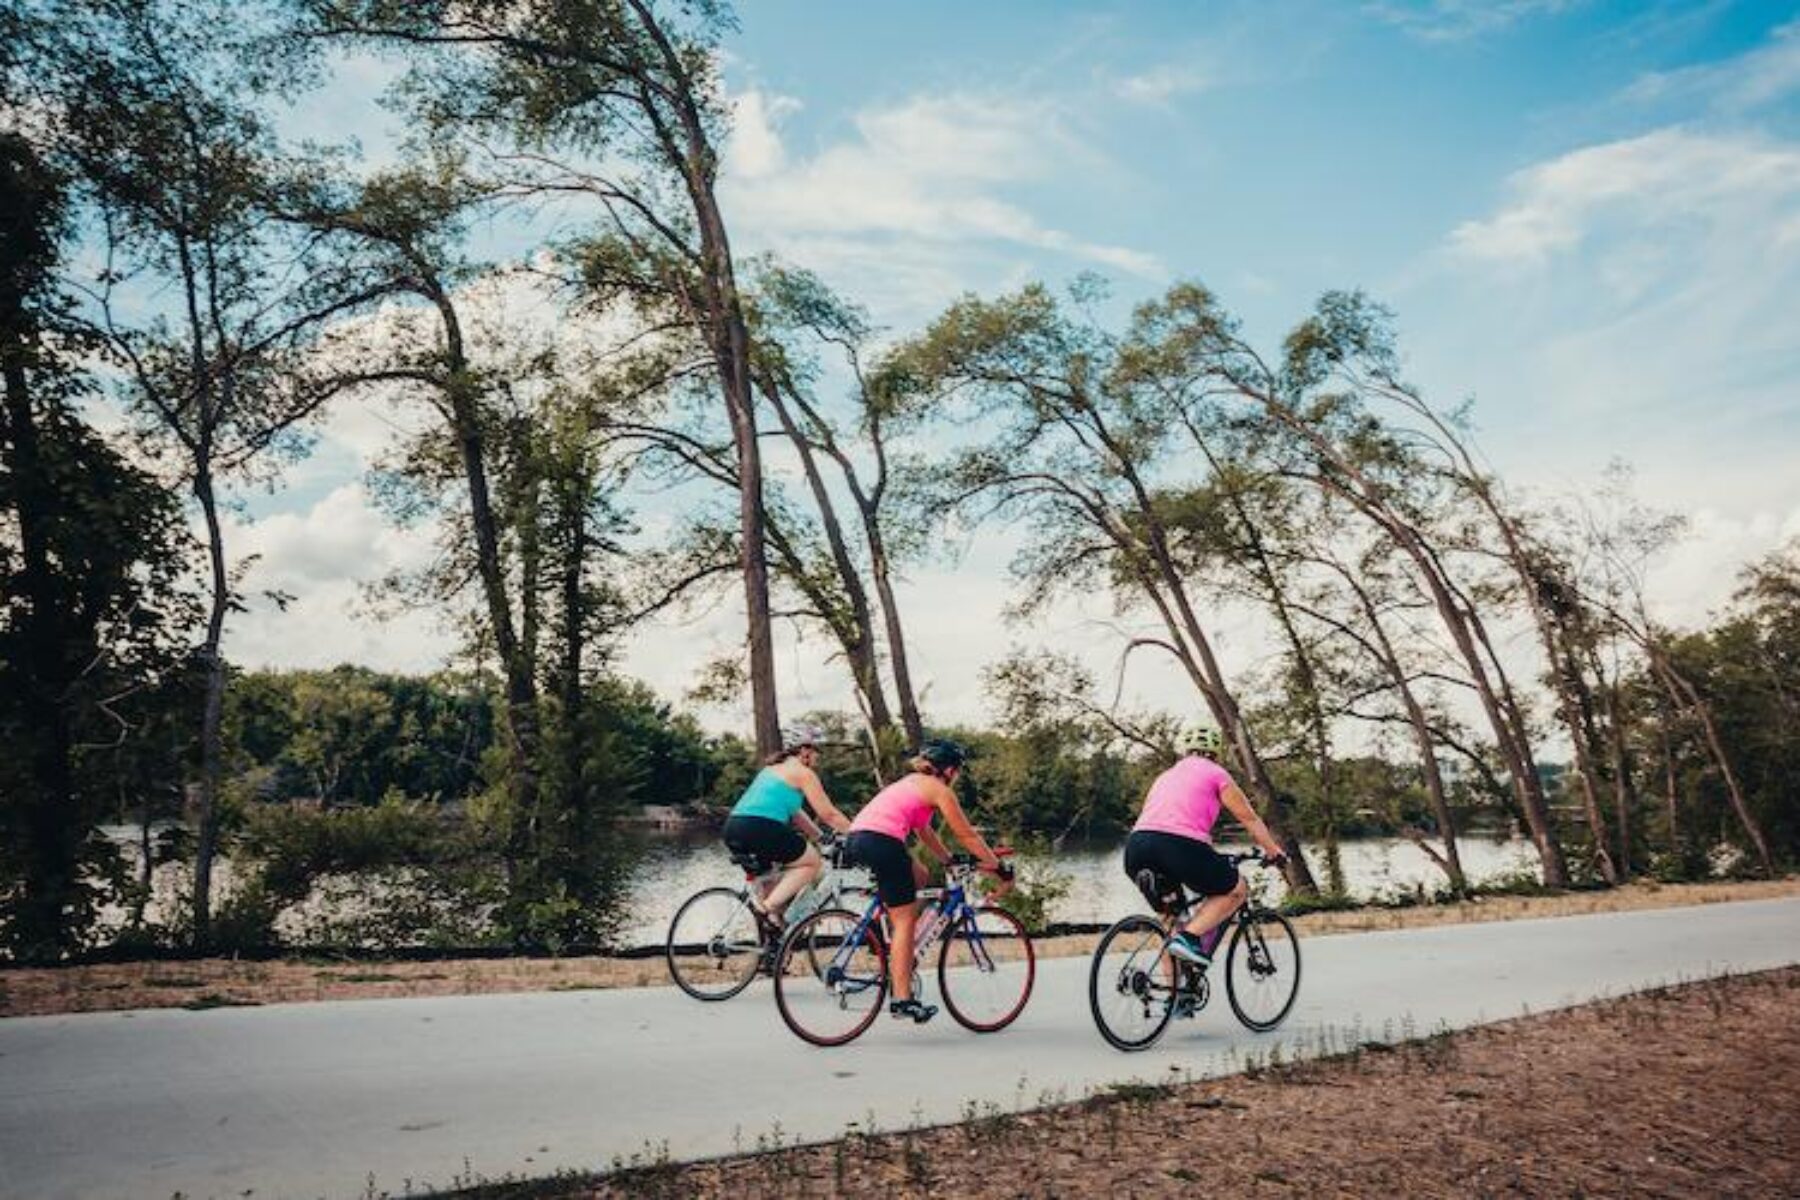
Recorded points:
674,866
669,867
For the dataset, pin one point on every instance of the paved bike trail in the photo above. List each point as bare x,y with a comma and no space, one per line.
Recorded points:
365,1097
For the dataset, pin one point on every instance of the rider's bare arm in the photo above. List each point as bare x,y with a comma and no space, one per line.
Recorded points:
821,804
947,803
805,824
931,841
1239,806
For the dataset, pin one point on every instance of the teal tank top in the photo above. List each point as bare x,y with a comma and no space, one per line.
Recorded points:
769,796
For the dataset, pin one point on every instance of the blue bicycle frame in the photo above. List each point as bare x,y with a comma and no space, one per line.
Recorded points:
953,906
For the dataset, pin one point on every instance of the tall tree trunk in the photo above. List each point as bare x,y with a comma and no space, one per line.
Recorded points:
576,798
860,647
52,832
1686,693
1386,655
212,662
1467,632
1275,595
1224,704
1672,797
523,732
1476,483
879,566
730,340
1347,481
1196,657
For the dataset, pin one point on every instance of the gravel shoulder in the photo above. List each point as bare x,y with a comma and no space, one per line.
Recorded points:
210,983
1677,1092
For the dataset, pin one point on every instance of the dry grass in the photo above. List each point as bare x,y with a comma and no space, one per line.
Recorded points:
29,992
1678,1092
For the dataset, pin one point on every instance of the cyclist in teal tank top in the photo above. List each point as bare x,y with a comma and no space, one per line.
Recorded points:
769,818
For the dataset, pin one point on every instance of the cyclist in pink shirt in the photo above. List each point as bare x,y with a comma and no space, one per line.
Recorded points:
1173,838
878,841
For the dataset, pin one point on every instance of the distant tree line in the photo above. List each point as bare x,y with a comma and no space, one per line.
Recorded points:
185,295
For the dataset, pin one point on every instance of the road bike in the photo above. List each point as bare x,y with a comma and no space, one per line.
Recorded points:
1136,987
831,979
718,940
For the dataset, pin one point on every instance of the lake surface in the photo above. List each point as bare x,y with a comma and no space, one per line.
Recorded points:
669,867
674,866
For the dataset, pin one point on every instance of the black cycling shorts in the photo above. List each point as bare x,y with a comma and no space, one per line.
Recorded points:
764,838
892,865
1191,862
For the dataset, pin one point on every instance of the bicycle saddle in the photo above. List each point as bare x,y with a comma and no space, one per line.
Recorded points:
753,864
1160,892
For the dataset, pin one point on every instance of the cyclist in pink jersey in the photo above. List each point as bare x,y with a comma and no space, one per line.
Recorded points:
878,841
1173,838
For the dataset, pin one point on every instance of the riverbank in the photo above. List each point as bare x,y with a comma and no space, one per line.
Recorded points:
212,983
1677,1092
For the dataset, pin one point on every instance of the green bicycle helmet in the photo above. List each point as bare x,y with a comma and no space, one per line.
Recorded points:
1203,739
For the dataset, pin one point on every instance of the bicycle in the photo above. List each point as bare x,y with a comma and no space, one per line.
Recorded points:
718,941
831,979
1136,986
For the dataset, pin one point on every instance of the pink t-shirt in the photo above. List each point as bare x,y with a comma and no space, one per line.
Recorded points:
897,810
1185,799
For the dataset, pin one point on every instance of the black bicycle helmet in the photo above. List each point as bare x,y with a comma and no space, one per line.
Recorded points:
943,753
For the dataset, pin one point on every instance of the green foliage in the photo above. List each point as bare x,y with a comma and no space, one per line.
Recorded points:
1038,885
90,604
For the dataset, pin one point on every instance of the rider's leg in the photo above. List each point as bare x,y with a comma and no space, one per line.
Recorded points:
1216,909
904,918
795,878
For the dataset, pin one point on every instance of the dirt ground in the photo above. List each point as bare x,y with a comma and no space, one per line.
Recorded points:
1682,1092
212,983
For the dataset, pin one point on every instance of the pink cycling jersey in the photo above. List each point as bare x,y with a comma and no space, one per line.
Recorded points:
1185,799
897,810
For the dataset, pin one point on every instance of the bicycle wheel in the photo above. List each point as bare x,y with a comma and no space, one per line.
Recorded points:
831,1005
850,899
1262,969
1131,988
714,945
986,968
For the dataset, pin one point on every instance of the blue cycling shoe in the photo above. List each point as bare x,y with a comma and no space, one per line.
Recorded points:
1187,948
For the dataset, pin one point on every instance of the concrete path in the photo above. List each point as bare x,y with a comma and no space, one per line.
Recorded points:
382,1096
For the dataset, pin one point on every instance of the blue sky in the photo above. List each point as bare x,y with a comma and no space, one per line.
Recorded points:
1586,216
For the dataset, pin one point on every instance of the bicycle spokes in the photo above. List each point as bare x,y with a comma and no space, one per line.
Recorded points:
715,945
986,968
1262,969
1132,983
831,978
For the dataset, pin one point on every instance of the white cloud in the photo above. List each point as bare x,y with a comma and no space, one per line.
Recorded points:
1162,83
924,176
322,557
1639,298
1699,574
1751,80
1671,176
1459,20
755,149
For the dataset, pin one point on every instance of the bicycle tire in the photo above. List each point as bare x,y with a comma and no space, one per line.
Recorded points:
805,995
1119,988
711,959
1251,942
988,931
